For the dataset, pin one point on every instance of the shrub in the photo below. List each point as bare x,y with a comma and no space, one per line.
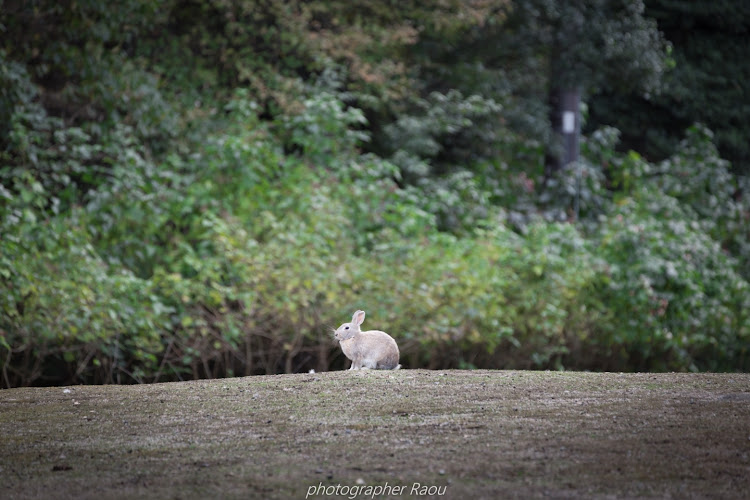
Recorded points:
674,298
240,257
65,314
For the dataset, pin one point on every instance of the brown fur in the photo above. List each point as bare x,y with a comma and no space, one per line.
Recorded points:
371,349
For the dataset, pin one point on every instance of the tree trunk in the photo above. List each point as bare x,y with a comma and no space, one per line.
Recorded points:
565,118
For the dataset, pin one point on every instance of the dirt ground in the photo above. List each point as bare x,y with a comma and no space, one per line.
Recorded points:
401,434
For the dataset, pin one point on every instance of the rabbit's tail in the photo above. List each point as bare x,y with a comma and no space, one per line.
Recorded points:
398,367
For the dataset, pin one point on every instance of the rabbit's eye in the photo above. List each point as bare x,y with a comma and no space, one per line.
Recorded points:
346,328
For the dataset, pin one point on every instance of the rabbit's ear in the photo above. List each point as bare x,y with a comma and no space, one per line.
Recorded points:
358,318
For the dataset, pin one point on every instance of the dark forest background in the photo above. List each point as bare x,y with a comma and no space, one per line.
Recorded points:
205,188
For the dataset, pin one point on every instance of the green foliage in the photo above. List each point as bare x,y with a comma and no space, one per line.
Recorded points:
461,121
709,82
699,178
324,130
419,147
206,209
592,43
63,305
16,91
676,300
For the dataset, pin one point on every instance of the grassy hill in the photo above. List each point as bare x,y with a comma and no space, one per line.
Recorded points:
477,434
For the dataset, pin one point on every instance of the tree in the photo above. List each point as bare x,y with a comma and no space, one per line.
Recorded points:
589,46
524,54
709,83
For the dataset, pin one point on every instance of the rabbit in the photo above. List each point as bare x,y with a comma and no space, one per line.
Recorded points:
372,349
